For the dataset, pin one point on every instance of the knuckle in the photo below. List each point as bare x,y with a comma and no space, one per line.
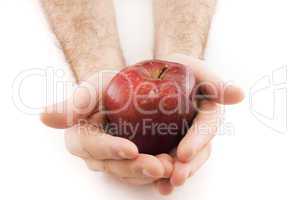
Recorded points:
91,165
70,144
208,150
74,146
106,166
95,165
136,181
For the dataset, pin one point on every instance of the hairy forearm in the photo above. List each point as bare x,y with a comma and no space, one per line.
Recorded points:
182,26
87,32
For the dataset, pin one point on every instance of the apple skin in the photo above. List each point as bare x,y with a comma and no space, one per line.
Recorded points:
151,104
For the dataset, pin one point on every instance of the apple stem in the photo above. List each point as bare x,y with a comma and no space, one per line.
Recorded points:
162,72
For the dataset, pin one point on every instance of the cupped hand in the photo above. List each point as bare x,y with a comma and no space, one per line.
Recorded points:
195,148
82,120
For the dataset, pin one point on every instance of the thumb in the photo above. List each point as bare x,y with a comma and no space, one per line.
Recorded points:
83,101
209,83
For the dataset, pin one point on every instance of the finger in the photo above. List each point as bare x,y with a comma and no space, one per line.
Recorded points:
164,186
144,166
167,162
182,171
87,141
200,159
138,181
210,84
99,166
78,106
203,129
95,165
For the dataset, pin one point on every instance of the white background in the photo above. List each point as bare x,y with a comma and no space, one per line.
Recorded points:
248,41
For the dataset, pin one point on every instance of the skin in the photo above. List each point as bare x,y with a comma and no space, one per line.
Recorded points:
181,33
87,33
86,30
182,26
88,36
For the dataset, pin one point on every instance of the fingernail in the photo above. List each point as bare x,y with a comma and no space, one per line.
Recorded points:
187,155
118,152
190,154
179,178
122,154
145,172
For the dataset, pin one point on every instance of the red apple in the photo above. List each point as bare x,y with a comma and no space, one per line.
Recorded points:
151,104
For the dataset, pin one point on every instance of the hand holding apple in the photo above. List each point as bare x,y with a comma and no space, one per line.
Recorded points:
194,149
119,156
80,117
